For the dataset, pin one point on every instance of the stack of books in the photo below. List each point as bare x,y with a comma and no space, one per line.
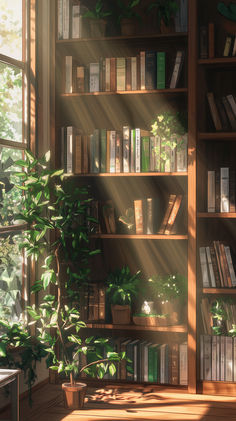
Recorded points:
221,190
92,302
114,151
222,111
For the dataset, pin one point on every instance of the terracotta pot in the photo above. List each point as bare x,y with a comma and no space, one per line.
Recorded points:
97,28
127,27
120,314
73,395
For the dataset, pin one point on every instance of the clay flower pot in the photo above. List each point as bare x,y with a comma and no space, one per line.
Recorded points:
73,395
120,314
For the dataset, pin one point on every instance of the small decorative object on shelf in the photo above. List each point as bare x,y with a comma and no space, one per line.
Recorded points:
127,16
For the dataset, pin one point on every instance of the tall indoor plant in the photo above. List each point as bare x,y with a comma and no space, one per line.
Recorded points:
53,207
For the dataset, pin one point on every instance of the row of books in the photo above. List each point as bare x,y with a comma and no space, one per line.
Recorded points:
113,151
218,358
228,316
149,362
221,190
146,71
207,42
92,302
217,266
223,111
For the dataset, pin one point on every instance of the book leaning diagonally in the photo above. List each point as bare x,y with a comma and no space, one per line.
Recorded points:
170,204
177,69
173,214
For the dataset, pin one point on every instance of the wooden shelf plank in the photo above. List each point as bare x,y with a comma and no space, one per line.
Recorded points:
131,174
142,236
122,38
217,135
219,291
217,61
144,91
177,328
216,388
227,215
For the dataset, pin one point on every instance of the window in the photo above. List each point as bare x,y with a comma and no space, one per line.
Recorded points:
16,121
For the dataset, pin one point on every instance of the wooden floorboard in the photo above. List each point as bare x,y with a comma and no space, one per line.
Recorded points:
143,404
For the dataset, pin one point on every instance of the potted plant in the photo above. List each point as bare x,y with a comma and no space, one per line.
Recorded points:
171,127
127,16
97,21
122,288
170,293
52,206
166,11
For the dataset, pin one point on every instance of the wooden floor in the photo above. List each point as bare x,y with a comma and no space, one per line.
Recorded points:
125,404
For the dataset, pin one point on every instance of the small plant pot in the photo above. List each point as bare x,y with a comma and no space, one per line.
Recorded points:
127,27
120,314
167,29
97,28
73,395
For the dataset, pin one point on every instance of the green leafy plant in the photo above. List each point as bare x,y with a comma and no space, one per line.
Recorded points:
166,10
52,205
122,286
126,10
168,287
97,12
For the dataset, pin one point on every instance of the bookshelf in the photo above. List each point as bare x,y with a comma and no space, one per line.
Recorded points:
90,110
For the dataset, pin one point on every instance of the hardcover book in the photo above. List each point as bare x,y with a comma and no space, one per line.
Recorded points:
177,69
138,215
161,70
150,70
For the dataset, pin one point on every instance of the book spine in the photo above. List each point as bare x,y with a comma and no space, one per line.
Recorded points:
60,19
172,159
227,46
227,278
120,73
232,184
149,215
210,267
132,150
66,18
230,265
145,153
161,70
118,153
183,364
80,79
138,214
94,77
204,268
182,153
103,150
177,69
108,154
174,376
107,74
126,149
150,70
86,153
213,359
228,359
134,76
215,267
173,214
217,190
211,191
76,21
142,70
68,75
101,307
232,103
112,151
224,189
211,40
128,74
113,74
229,112
78,154
207,357
69,149
217,253
137,150
214,111
171,201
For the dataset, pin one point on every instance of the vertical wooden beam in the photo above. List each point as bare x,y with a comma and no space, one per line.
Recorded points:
31,39
52,82
192,205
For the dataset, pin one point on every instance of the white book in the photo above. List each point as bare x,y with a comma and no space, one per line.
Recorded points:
126,148
177,68
207,357
77,21
107,74
224,189
94,77
182,154
137,150
68,75
183,363
222,358
213,358
201,358
232,103
228,359
142,70
134,85
173,159
230,265
59,19
69,149
66,19
204,268
210,267
112,151
145,361
120,73
211,194
132,150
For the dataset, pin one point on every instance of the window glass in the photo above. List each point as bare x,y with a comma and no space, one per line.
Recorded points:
11,28
10,103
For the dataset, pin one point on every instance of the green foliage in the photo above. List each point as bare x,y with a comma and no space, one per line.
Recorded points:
20,350
122,286
221,312
168,287
128,218
166,10
127,10
97,12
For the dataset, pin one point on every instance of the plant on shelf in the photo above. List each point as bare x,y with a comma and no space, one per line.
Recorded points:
170,293
122,288
220,316
166,11
97,18
171,127
128,219
127,16
53,206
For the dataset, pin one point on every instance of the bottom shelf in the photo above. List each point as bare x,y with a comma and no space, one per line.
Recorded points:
217,388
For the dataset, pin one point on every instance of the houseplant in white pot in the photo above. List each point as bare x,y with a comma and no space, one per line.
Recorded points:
53,206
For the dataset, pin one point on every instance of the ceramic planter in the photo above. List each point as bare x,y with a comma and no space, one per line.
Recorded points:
120,314
73,395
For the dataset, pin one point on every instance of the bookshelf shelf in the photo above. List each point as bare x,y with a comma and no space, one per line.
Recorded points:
141,174
222,215
177,328
217,136
138,92
219,291
141,237
218,61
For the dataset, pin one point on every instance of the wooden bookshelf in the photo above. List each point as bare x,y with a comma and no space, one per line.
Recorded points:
142,236
172,329
223,291
166,91
221,215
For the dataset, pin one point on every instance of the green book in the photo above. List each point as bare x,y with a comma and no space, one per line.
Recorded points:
151,363
145,154
103,150
132,150
161,70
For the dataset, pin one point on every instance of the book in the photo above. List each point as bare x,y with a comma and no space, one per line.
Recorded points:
107,74
95,151
169,207
76,21
132,150
225,268
103,145
210,268
78,163
113,81
229,112
108,212
86,153
150,70
142,70
174,364
94,77
66,19
134,74
177,69
211,40
214,111
232,204
231,100
126,149
60,19
68,75
173,214
182,153
120,73
204,267
128,74
145,153
118,153
203,41
80,79
207,355
108,151
227,46
150,215
183,364
230,265
112,151
224,189
155,153
138,215
137,150
211,205
215,266
161,70
219,264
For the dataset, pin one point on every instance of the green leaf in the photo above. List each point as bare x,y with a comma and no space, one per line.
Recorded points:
112,369
47,156
3,349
